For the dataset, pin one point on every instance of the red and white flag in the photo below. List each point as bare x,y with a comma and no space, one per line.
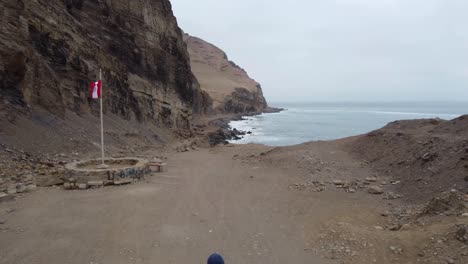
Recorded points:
96,89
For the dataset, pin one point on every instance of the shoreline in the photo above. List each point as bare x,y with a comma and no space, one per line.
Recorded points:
323,124
224,133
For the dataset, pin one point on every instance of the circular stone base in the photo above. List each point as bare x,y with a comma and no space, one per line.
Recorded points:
92,173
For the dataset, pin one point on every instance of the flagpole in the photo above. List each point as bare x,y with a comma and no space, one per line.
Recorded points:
102,121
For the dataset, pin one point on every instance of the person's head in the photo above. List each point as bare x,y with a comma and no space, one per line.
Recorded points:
215,259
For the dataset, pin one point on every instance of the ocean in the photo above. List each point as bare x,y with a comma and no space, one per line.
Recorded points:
303,122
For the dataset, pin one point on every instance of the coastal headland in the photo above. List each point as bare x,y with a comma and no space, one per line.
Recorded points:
394,195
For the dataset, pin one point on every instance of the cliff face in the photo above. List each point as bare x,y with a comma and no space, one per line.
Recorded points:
230,87
51,49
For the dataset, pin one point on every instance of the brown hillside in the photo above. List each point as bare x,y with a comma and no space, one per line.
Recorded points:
230,87
427,156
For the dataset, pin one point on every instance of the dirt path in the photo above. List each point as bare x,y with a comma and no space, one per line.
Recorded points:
253,204
206,202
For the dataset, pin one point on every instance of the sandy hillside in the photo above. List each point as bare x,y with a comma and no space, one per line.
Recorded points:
219,76
427,156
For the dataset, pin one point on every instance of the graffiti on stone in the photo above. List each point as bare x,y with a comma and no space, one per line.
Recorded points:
133,173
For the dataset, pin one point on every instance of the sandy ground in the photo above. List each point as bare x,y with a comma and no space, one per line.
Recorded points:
236,200
206,202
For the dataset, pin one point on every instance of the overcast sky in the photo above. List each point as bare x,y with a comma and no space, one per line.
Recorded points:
345,50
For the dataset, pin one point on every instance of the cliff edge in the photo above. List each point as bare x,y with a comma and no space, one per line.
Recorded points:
230,87
51,49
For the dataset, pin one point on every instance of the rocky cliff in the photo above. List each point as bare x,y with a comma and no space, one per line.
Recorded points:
51,49
230,87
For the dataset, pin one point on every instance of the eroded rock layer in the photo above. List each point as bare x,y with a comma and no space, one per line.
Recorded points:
51,49
230,87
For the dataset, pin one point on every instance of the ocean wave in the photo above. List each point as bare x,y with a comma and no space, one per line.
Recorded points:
297,125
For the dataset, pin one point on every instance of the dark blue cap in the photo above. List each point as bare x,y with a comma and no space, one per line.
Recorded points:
215,259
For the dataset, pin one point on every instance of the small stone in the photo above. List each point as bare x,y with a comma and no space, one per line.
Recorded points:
67,186
450,261
395,182
405,227
371,179
351,190
95,183
338,182
375,190
462,233
378,227
82,186
31,188
395,227
392,196
396,250
11,190
386,213
21,189
426,156
464,215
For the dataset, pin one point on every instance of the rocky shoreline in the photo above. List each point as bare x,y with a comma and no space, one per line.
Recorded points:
225,133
